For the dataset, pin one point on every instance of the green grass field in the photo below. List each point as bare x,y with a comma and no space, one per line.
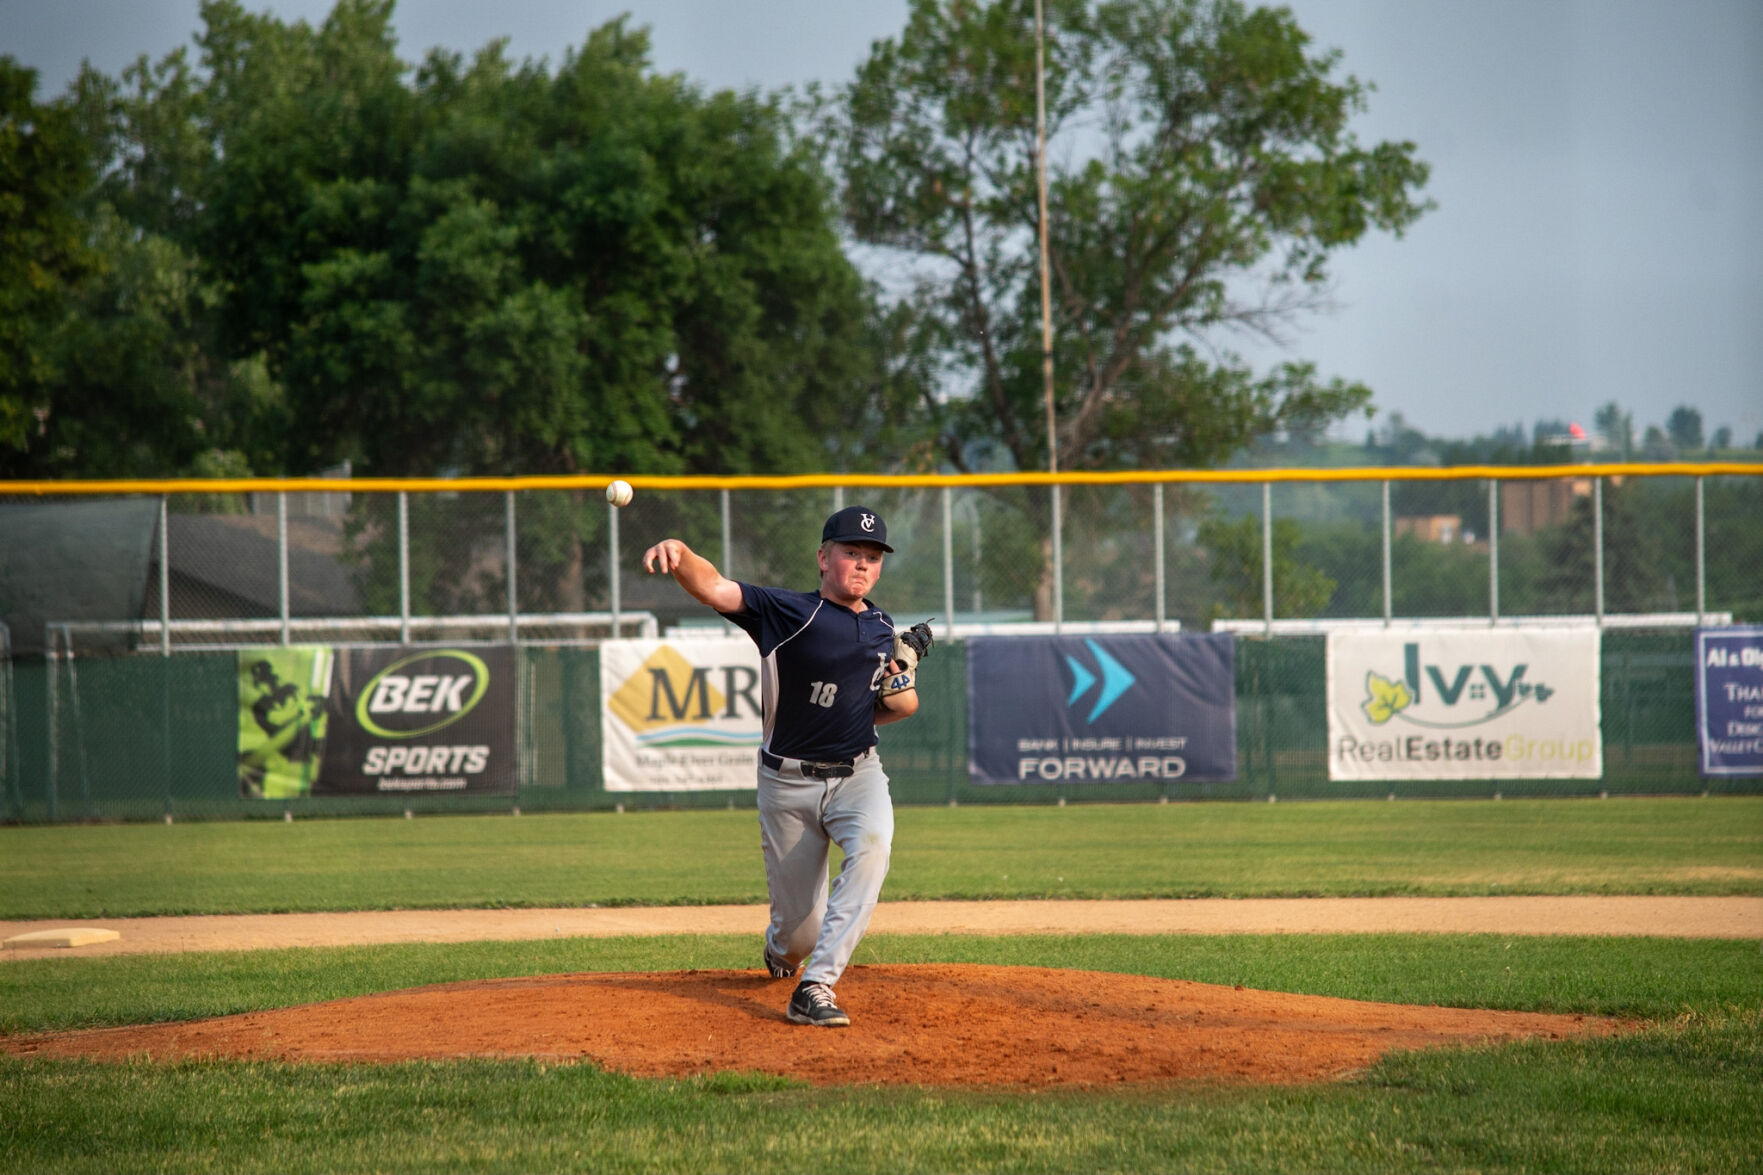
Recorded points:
1631,846
1683,1094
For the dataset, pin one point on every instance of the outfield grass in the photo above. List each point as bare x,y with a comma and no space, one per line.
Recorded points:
1684,1094
1681,1095
1632,846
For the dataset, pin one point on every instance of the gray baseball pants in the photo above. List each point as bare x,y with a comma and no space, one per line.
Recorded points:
799,819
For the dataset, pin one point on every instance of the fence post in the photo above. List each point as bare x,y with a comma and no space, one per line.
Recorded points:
1493,551
513,598
1157,576
164,579
165,730
948,557
1058,562
52,719
1598,549
11,774
1267,555
728,543
281,531
1701,557
612,562
1388,611
404,567
165,648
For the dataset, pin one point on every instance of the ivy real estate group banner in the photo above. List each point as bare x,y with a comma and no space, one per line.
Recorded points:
320,721
1516,703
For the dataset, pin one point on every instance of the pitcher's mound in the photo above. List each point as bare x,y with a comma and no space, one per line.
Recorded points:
925,1024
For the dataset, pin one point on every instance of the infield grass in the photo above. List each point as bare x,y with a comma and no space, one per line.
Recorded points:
1450,847
1682,1095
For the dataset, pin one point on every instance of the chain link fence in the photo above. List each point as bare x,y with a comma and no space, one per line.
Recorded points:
120,696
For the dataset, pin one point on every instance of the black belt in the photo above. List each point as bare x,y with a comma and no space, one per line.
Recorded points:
815,768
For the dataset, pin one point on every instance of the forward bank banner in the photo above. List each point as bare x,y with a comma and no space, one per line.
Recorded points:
1729,700
680,715
389,721
1105,709
1458,704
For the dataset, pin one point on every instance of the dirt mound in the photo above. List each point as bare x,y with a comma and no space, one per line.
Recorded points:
929,1024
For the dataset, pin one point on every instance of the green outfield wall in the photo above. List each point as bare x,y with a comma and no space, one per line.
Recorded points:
146,737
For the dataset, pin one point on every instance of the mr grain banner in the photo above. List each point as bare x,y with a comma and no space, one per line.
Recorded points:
1506,703
680,715
386,721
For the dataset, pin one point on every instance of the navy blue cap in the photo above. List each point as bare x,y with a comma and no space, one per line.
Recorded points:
856,524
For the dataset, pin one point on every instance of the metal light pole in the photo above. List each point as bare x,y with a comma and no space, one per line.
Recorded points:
1047,311
1041,196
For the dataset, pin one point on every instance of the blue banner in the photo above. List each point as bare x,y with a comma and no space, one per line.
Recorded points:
1103,709
1729,700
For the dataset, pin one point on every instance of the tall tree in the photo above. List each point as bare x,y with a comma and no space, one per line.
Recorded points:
1617,429
485,267
121,371
1239,561
1201,174
1633,580
491,268
45,168
1684,427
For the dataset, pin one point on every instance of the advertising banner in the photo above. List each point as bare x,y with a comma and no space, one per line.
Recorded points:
282,719
681,715
1464,704
376,721
1105,709
1729,700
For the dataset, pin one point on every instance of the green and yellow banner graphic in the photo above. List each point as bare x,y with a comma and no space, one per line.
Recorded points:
282,719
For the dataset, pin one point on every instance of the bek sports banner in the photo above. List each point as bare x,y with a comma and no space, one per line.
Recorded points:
1729,700
680,715
1464,704
1105,709
400,720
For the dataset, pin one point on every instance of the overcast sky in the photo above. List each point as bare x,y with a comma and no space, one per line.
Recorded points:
1597,164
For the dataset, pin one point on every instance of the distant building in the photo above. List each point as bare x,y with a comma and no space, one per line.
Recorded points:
1529,506
1432,528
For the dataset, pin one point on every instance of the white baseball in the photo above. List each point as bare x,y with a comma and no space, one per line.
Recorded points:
619,493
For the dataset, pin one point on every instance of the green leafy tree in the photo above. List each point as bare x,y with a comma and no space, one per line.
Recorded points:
1684,427
122,374
1633,576
492,268
1617,429
479,267
1238,562
1201,174
46,165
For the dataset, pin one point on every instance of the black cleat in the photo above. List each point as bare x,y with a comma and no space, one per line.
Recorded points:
812,1003
778,968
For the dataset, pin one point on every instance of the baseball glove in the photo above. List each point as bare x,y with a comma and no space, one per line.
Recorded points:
910,647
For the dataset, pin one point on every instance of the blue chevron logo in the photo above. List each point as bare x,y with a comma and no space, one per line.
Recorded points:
1115,680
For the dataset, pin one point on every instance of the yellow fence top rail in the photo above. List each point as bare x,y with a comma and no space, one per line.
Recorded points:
597,481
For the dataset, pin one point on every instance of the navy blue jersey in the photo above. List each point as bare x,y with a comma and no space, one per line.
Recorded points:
820,664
